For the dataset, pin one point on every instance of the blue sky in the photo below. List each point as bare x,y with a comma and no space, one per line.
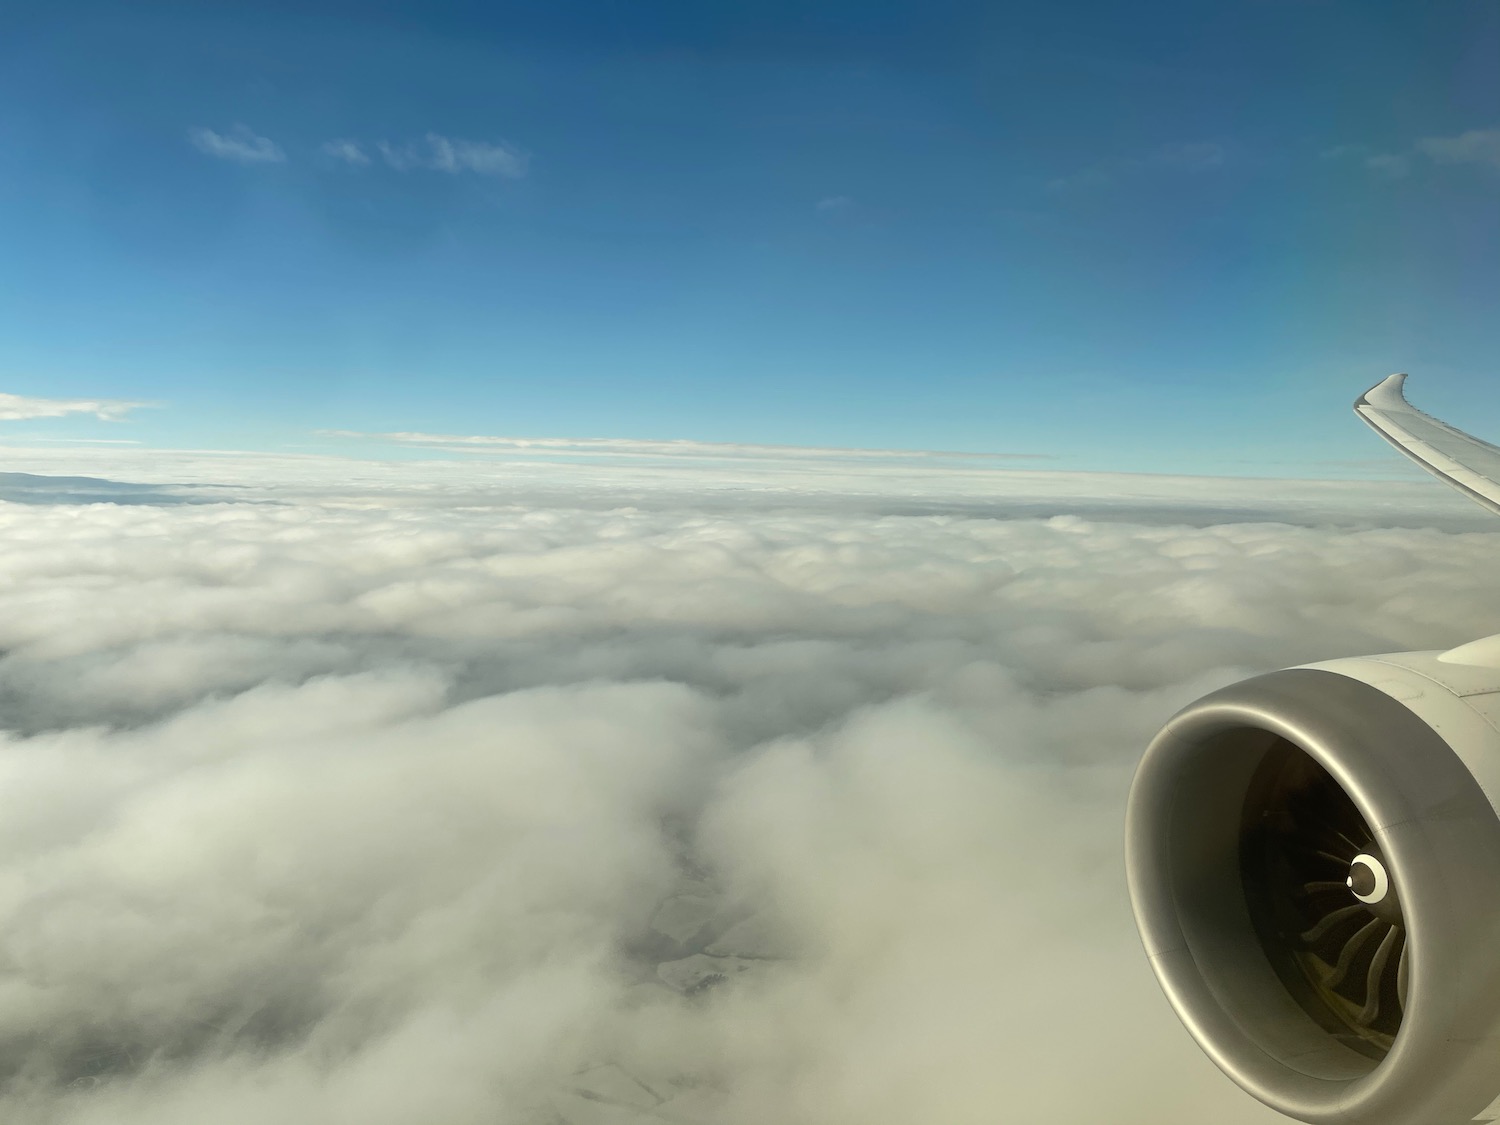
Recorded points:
1167,237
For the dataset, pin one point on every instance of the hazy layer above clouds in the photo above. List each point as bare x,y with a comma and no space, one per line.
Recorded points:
379,798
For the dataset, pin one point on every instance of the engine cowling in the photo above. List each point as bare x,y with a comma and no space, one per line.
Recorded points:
1314,864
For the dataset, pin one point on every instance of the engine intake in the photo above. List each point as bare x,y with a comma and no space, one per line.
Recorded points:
1315,871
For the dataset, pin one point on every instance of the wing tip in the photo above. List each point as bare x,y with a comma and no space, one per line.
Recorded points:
1387,394
1460,460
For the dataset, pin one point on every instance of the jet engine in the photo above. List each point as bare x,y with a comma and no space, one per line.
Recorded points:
1314,864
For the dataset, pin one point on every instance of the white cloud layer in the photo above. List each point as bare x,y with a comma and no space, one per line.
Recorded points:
453,155
421,793
20,408
241,145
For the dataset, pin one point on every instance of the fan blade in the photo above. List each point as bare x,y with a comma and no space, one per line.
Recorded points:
1323,886
1351,951
1371,1009
1343,914
1308,850
1355,844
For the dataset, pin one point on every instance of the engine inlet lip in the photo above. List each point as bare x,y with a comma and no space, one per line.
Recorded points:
1404,779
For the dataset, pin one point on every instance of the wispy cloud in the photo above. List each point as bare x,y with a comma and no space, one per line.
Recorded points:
1476,146
19,408
350,152
1200,156
1389,165
680,448
1343,152
1393,166
1186,157
834,203
90,440
240,144
453,155
1086,179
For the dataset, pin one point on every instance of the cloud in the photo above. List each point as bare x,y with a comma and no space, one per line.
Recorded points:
678,449
240,144
1476,146
868,483
454,155
377,797
834,203
350,152
1198,157
1181,157
1390,165
16,408
1087,179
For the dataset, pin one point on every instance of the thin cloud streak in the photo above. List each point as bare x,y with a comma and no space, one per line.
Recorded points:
453,155
17,408
1476,146
631,447
1194,157
350,152
240,145
1390,165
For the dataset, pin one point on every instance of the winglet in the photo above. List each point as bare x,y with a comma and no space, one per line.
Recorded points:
1388,394
1454,457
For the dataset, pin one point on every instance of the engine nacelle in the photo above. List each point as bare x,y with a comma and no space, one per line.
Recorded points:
1314,863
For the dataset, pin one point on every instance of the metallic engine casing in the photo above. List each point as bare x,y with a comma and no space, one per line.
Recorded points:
1414,740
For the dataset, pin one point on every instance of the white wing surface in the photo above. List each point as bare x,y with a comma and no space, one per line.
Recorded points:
1468,464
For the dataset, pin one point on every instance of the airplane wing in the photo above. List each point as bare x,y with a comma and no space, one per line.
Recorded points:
1466,463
